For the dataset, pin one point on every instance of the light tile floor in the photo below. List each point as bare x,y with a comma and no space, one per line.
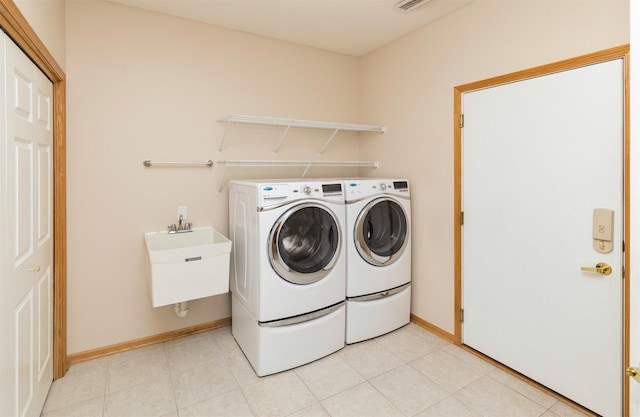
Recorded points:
409,372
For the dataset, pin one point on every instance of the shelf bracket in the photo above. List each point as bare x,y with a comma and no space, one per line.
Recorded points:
329,141
222,178
224,136
277,147
307,169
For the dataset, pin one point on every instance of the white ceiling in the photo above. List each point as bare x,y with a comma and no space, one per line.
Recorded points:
352,27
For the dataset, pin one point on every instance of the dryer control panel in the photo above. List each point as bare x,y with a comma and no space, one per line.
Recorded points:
361,188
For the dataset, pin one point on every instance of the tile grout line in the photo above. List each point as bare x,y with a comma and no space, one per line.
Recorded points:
104,391
173,387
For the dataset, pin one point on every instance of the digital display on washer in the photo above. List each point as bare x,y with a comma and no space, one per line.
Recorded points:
401,185
332,188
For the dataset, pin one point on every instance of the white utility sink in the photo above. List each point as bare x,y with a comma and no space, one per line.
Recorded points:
187,266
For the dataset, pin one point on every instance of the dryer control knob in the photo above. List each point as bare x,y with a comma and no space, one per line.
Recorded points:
307,190
383,186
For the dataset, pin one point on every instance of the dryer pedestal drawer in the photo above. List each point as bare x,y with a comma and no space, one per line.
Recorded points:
276,349
374,317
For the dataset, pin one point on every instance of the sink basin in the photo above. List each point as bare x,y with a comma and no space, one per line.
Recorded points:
187,266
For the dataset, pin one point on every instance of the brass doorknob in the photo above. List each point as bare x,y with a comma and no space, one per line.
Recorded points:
601,268
34,269
633,373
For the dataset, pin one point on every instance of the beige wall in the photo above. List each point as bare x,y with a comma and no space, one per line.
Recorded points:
408,85
47,20
143,85
147,86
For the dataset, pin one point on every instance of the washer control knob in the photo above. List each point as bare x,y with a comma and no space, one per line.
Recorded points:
306,190
383,186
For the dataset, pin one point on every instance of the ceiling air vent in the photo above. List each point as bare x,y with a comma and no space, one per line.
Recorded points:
408,5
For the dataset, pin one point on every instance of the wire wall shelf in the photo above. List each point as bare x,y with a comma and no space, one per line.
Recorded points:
289,163
295,123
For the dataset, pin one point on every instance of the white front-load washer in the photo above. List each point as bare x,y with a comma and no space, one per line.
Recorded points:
378,236
288,271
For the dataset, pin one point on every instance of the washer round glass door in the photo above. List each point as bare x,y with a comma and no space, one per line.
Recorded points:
381,232
304,243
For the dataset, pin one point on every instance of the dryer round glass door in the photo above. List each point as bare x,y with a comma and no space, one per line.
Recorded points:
304,243
381,232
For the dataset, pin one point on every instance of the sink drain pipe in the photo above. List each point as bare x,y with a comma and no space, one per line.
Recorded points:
181,309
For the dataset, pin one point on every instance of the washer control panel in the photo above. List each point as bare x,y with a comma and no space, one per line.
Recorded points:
278,193
325,191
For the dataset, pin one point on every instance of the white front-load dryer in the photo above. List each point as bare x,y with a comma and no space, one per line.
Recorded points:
378,236
288,271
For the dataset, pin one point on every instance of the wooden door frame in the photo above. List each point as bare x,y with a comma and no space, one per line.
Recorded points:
18,29
594,58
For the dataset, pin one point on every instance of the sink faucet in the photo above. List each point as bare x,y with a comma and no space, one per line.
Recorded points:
181,227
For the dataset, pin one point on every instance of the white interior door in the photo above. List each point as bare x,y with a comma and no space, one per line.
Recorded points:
26,254
538,156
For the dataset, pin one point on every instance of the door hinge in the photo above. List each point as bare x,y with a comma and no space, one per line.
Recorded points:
462,315
462,218
461,120
623,272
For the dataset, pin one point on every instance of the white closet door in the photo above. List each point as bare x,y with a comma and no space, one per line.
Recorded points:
26,254
539,156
